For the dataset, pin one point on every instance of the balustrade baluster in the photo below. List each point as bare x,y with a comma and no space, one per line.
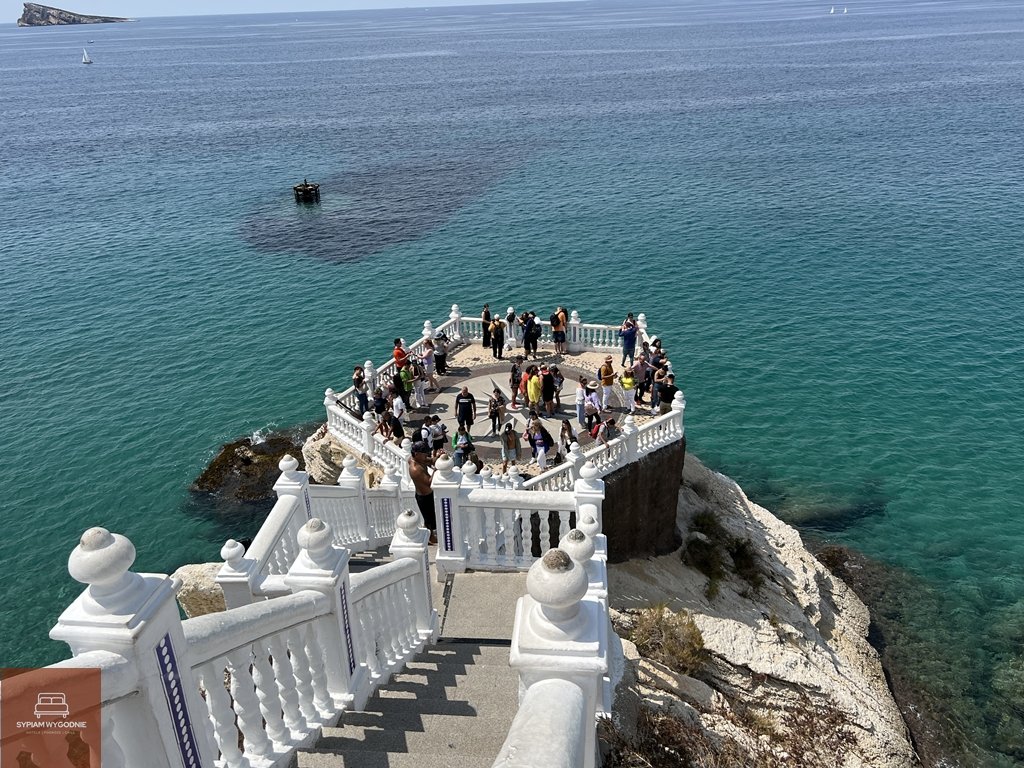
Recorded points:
247,705
563,523
266,692
394,623
545,532
315,651
218,704
103,743
303,675
367,643
517,534
285,678
486,534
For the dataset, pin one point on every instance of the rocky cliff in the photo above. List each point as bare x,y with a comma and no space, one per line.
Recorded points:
36,15
767,659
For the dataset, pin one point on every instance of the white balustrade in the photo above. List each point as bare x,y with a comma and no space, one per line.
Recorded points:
561,645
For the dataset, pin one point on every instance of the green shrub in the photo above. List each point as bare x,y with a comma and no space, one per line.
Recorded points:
672,639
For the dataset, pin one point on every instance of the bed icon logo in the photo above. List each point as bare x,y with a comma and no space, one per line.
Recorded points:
51,705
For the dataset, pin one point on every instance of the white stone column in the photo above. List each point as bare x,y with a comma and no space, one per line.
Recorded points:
294,482
487,477
679,409
411,540
587,522
559,635
629,432
589,489
455,331
575,459
575,336
135,615
369,425
353,478
323,567
428,329
451,546
515,480
641,328
405,478
370,374
237,576
470,478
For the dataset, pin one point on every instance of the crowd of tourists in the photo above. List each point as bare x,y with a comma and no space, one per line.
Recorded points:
643,373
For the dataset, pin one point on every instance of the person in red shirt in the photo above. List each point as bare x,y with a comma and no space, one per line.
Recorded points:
400,355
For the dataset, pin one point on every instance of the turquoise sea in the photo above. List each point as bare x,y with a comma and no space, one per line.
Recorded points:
821,214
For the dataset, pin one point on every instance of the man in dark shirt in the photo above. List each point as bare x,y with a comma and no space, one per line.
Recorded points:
465,408
666,391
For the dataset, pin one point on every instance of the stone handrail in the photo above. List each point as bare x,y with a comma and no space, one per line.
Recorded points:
562,647
274,547
634,443
270,674
548,729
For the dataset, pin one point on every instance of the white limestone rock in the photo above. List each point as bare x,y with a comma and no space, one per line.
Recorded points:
199,594
799,639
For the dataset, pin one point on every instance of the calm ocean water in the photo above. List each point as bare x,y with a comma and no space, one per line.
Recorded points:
820,213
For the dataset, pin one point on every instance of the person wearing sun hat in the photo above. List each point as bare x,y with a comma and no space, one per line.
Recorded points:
607,374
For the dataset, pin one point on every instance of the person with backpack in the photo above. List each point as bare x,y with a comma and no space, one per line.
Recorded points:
531,334
603,431
557,321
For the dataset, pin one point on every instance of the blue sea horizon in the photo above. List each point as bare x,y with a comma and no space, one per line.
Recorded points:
819,213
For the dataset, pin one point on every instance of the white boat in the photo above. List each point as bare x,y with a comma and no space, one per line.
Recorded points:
85,57
844,9
832,9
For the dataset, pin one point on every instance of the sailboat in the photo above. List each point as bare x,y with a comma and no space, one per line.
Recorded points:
832,9
85,57
844,9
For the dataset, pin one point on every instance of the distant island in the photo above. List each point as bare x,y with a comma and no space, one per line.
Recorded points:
36,15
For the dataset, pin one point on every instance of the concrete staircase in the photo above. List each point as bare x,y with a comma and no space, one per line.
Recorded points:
453,705
450,708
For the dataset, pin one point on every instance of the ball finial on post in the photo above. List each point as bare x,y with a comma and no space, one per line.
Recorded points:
102,561
557,585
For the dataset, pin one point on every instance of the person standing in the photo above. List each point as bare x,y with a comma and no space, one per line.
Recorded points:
408,379
398,414
605,431
658,380
666,393
547,390
441,354
429,365
399,354
559,381
531,334
628,334
542,443
607,374
511,447
496,410
420,466
592,405
497,338
462,445
557,321
465,408
362,389
566,437
514,376
438,434
485,321
533,389
581,399
628,383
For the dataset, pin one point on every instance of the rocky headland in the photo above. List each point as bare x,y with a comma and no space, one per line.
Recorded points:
35,15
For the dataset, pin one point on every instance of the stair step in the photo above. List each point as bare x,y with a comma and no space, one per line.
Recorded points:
440,735
464,653
392,760
479,687
459,707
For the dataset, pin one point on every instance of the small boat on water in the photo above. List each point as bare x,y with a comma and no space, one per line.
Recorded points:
832,9
85,57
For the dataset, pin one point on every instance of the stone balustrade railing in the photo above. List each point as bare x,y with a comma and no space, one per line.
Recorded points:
344,422
633,443
563,647
246,687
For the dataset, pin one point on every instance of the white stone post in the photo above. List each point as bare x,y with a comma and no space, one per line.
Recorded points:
330,398
370,374
369,425
428,329
641,327
135,615
587,522
629,433
575,459
679,409
451,550
411,540
589,489
456,327
470,478
293,482
515,480
559,635
323,567
353,478
487,477
403,472
575,335
581,548
510,332
237,576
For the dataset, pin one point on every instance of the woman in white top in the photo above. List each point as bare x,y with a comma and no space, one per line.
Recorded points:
581,399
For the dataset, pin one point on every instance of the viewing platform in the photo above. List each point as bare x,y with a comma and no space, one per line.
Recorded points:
314,665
